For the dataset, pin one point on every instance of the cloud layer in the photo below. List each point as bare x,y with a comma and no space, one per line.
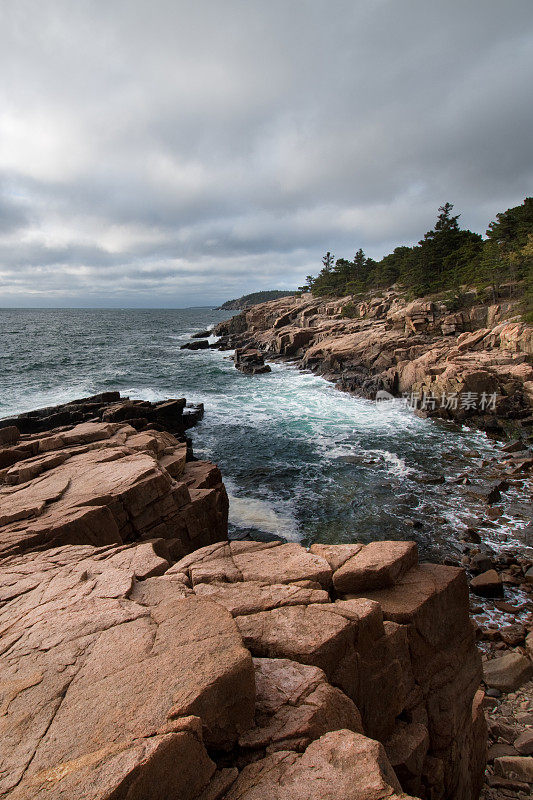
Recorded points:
179,153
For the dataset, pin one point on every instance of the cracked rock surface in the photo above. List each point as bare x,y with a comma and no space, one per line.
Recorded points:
136,667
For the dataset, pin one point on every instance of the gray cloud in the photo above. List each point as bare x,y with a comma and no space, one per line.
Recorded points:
172,152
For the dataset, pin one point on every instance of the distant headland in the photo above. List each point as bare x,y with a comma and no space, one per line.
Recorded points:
248,300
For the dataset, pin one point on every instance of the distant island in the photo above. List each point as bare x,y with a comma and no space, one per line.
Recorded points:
252,299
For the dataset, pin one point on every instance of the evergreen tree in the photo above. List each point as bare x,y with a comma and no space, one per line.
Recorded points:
512,227
446,258
328,260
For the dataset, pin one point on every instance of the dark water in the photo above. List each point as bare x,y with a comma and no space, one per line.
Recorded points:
299,458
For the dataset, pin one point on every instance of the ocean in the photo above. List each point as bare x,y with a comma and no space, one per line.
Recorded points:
300,459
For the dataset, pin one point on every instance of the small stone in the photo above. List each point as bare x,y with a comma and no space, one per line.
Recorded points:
481,563
513,635
524,717
524,743
513,447
471,535
493,693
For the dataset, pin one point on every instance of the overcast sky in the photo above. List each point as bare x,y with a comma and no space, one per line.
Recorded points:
163,152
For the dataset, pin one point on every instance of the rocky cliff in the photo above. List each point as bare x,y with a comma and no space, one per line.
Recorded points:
114,477
474,364
143,656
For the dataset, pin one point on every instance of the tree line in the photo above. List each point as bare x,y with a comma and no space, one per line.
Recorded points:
446,258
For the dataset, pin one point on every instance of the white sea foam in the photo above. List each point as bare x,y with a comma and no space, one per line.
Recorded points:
250,512
395,464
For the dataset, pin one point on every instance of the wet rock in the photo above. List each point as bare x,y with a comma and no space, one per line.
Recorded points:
513,635
201,344
488,584
490,494
507,672
512,447
481,563
201,335
472,535
107,407
250,362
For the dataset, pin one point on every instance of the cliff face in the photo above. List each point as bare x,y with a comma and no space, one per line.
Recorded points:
136,666
104,481
473,364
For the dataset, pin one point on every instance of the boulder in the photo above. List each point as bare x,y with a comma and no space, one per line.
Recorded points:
480,562
507,672
375,565
515,768
341,764
488,584
295,705
250,362
200,344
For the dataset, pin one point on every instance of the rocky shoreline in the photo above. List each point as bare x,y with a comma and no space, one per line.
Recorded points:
145,656
421,352
472,366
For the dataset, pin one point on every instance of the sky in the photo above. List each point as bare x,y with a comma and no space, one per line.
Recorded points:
164,153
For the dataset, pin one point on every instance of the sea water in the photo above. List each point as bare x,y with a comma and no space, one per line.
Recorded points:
300,459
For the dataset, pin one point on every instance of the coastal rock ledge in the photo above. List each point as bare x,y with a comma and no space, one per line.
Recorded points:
137,667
